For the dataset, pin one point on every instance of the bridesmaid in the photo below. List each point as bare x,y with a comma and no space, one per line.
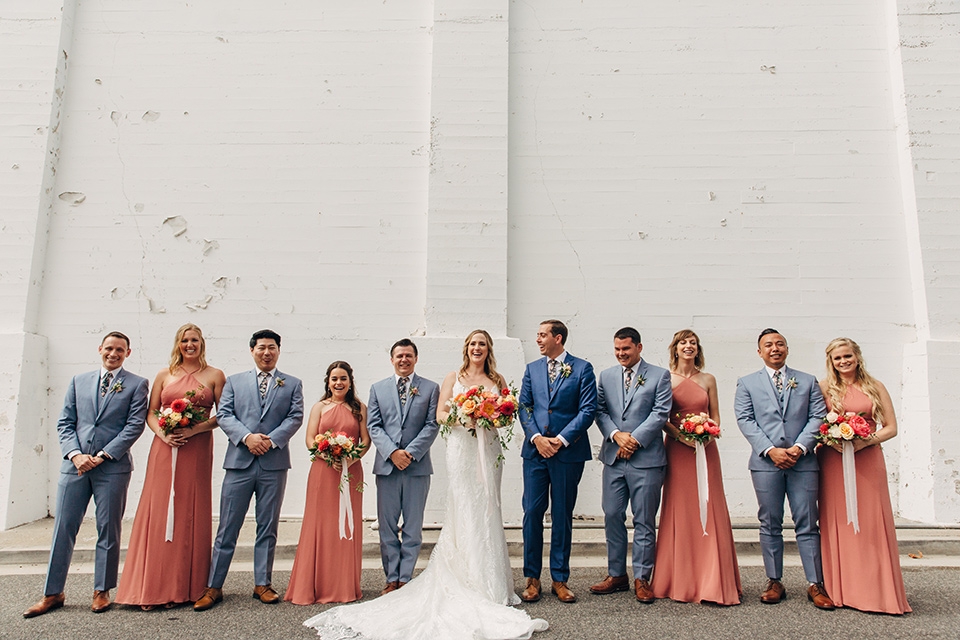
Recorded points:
860,570
326,567
157,571
693,566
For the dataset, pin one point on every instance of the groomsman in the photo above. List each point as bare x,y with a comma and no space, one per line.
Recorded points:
402,421
259,410
103,415
779,410
634,400
558,400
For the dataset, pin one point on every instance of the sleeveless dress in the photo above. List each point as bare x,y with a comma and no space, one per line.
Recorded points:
860,570
466,590
156,571
326,568
691,566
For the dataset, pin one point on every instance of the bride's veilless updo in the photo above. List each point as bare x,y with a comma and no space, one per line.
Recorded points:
490,365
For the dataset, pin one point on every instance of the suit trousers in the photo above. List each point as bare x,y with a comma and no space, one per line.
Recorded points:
401,495
549,481
623,482
239,485
800,488
109,492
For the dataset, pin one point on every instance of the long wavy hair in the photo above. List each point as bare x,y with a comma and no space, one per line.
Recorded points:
489,365
176,358
837,388
684,334
356,407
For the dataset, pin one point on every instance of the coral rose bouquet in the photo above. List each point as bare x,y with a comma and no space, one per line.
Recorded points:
182,413
843,429
700,427
476,408
337,447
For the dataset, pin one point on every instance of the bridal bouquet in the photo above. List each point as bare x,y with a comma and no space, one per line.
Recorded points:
476,408
840,427
181,413
699,427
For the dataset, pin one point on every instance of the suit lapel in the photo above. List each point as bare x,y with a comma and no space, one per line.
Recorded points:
555,385
272,390
787,388
634,384
767,384
410,398
104,401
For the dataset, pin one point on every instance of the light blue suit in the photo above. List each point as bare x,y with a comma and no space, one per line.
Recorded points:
638,479
90,424
242,412
771,420
412,428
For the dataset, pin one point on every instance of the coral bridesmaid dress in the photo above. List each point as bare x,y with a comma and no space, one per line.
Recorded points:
691,566
326,568
860,570
155,571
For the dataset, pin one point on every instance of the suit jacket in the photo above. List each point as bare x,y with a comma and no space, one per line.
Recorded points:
765,423
112,428
565,407
643,416
412,428
279,416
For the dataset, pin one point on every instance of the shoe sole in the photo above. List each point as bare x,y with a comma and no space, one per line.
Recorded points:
646,600
256,597
207,608
525,599
571,601
820,607
101,610
782,598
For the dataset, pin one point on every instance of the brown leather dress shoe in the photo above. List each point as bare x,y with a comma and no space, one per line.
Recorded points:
209,598
391,586
643,591
532,592
774,593
563,592
611,585
265,594
48,603
101,601
818,596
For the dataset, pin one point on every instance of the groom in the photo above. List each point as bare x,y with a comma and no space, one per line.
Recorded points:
634,405
402,421
103,415
558,400
259,410
779,411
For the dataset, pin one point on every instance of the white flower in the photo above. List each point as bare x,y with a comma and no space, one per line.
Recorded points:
832,417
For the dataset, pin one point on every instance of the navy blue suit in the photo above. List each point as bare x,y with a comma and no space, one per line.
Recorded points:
563,408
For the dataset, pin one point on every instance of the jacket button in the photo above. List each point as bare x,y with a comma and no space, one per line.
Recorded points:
549,410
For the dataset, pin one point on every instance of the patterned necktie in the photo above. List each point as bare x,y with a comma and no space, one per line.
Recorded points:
402,390
105,385
627,374
552,369
264,377
778,382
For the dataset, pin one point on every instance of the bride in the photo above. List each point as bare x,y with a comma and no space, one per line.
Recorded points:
467,588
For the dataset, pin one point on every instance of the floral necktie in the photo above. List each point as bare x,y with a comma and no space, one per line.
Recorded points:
402,390
552,369
627,375
105,385
778,381
264,377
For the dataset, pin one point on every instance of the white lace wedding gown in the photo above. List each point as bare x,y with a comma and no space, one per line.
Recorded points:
467,589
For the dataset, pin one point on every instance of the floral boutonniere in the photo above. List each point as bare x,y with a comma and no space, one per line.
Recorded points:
414,391
565,370
792,383
641,380
280,382
117,387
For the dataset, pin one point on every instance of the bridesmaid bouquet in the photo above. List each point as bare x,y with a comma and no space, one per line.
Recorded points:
476,408
181,413
336,447
840,427
698,427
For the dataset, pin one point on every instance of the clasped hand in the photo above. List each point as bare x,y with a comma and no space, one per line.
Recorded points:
401,459
627,443
258,443
84,462
547,446
785,458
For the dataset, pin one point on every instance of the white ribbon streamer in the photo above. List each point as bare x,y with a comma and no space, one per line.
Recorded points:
850,484
173,478
703,489
346,507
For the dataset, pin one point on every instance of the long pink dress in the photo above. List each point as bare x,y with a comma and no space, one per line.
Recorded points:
156,571
860,570
326,568
691,566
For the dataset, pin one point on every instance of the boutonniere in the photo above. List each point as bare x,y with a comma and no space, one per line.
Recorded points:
117,387
280,382
565,370
792,383
414,391
641,380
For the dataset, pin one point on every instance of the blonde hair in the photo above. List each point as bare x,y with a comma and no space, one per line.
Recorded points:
837,388
685,334
176,358
489,365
